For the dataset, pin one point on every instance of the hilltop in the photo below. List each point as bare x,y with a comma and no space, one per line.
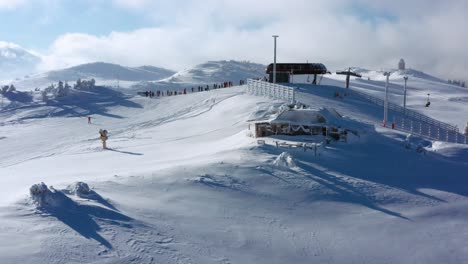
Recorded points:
16,61
104,73
146,77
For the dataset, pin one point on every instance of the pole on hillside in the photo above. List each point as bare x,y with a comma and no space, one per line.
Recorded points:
404,96
274,59
347,77
386,100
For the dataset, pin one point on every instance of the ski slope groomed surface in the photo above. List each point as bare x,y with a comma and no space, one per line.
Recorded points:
184,181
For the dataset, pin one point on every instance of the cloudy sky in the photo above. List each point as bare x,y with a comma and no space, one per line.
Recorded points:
431,35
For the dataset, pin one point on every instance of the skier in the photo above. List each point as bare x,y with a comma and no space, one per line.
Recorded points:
89,120
103,136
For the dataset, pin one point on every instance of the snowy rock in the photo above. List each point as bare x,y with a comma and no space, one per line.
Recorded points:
284,160
416,143
78,189
39,193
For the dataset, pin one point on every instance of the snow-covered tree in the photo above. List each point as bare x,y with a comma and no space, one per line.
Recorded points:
60,90
44,95
85,84
78,84
12,88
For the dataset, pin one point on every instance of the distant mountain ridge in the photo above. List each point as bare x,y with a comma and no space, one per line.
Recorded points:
16,61
109,71
147,77
395,74
219,71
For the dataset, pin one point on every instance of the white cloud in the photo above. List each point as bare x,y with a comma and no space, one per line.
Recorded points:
134,4
429,38
11,4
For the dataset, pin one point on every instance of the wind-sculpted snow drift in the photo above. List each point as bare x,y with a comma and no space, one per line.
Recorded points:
284,160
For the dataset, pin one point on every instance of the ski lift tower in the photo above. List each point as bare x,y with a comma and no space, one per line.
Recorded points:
387,74
348,73
274,59
404,95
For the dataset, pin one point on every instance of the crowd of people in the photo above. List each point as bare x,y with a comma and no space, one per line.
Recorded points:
200,88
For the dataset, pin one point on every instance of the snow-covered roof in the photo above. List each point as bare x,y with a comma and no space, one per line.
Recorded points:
300,116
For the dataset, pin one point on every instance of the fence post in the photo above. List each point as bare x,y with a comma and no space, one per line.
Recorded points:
293,95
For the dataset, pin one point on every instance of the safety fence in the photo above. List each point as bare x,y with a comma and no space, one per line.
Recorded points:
276,91
409,114
417,123
429,131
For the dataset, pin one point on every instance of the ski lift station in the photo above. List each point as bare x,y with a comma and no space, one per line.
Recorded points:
284,71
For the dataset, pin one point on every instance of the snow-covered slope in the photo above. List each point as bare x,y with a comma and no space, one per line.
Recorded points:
395,74
183,182
209,73
447,100
108,71
15,61
104,74
379,77
219,71
147,77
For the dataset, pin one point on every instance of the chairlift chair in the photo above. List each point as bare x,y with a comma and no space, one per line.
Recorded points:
428,102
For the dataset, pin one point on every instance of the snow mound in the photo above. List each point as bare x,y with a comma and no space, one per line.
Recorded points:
453,152
284,160
79,189
416,143
266,111
41,195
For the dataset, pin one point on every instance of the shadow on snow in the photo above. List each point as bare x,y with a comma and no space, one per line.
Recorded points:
125,152
81,217
77,103
356,180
